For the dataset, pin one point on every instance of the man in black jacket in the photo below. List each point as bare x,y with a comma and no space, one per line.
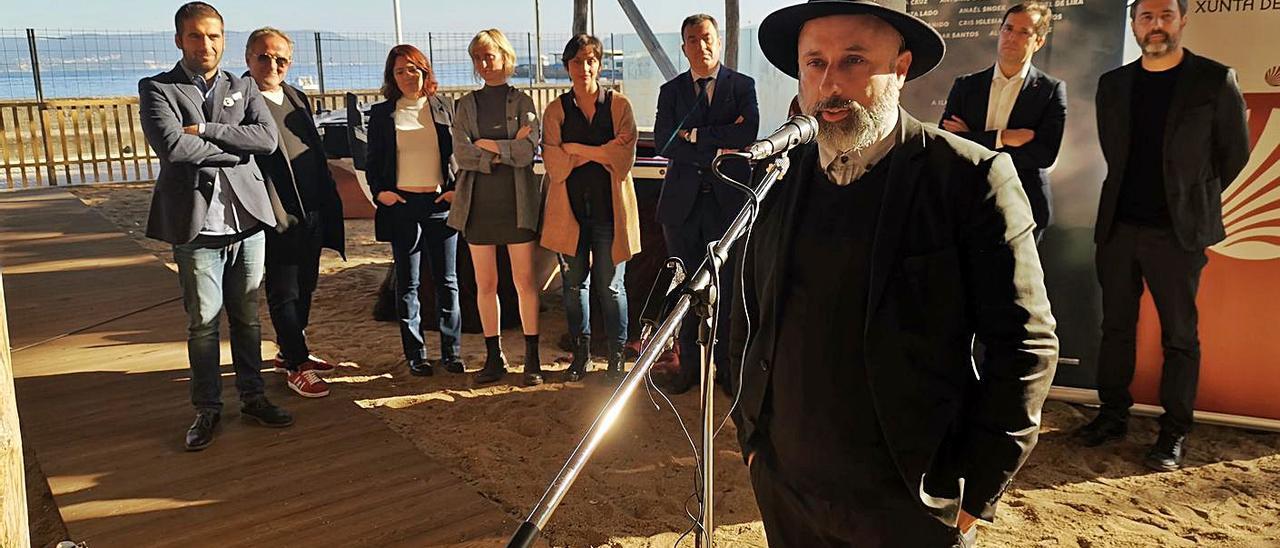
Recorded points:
1015,108
1173,132
880,254
311,210
701,112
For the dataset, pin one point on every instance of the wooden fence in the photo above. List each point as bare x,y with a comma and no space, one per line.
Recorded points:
76,141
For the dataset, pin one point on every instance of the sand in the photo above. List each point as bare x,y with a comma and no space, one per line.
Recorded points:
508,442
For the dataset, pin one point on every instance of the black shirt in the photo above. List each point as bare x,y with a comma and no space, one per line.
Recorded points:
1142,195
819,389
590,187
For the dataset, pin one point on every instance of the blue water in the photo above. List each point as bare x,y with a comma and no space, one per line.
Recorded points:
114,82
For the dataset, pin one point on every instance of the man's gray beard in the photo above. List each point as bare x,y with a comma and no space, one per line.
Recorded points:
863,126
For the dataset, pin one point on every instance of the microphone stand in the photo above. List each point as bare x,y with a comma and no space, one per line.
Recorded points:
698,295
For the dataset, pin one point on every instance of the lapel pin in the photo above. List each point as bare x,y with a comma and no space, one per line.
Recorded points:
227,102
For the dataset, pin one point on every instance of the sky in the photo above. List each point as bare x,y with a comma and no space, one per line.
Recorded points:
367,15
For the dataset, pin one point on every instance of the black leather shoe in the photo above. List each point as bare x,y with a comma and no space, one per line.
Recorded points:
266,413
617,365
532,379
1166,455
200,435
677,384
1102,429
574,375
420,368
454,365
495,367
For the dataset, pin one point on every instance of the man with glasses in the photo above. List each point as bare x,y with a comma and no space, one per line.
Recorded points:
1015,108
210,202
310,215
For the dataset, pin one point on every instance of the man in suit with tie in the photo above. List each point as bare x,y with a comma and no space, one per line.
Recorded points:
1015,108
1173,132
211,203
702,112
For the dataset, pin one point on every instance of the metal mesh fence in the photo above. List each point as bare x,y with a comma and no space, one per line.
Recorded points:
62,63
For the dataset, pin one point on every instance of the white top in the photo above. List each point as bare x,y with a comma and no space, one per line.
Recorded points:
418,167
1004,93
275,96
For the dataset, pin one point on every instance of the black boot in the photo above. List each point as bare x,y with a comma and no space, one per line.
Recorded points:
201,433
616,362
259,409
532,363
581,355
495,364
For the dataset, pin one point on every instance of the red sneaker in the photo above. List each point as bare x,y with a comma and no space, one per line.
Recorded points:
313,363
307,384
316,364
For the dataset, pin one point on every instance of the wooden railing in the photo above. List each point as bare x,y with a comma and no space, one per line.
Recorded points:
77,141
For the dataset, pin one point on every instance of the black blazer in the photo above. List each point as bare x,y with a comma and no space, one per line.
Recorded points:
237,127
380,170
1206,145
1041,107
953,255
277,169
734,96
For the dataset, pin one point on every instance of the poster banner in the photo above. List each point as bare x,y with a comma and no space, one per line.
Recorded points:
1088,39
1240,287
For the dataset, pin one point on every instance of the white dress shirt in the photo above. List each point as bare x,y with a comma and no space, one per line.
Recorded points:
1004,93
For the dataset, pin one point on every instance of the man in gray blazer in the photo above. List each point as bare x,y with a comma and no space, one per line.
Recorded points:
1173,132
211,203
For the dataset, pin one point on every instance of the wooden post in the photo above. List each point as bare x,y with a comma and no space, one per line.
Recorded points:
14,528
731,34
580,16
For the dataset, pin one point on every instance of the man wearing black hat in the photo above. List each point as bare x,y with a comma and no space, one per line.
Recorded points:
886,247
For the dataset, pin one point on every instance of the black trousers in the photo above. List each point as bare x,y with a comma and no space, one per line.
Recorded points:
293,268
887,518
688,242
1134,254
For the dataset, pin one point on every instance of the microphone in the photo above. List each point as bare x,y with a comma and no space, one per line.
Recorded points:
799,130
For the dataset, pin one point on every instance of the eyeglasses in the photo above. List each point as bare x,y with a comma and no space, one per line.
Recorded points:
407,70
267,58
1021,33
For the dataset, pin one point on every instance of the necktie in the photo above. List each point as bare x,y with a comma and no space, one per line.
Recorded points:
702,87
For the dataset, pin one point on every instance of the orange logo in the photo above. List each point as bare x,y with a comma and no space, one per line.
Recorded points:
1251,205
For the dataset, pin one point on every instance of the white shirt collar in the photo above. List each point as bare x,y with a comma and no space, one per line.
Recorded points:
696,76
847,166
998,75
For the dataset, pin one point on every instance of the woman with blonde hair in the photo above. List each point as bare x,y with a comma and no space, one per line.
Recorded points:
499,198
411,176
589,147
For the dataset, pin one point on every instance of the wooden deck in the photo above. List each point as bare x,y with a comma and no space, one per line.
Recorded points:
99,343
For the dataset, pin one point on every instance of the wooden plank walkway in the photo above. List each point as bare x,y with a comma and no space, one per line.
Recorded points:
100,360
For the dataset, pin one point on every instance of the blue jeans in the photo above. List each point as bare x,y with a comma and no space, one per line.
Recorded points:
593,266
219,272
420,227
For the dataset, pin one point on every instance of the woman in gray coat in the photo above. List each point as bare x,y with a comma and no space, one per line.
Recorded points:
499,199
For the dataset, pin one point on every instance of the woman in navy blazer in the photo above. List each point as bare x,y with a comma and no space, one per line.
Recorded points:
410,173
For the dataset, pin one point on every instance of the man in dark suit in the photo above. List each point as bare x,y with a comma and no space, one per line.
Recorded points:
1015,108
210,202
311,215
1173,132
709,109
885,248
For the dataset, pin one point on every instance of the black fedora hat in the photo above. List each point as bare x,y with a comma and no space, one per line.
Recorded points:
780,31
